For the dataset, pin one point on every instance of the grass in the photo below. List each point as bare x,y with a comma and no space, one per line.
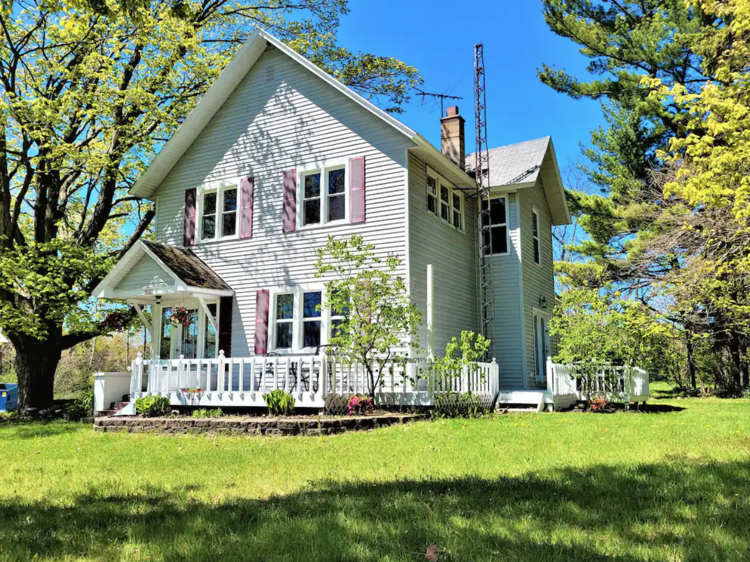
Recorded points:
669,486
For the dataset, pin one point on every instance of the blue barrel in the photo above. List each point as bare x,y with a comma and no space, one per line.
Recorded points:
8,397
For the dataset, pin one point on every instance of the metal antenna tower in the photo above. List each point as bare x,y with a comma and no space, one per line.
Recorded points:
482,172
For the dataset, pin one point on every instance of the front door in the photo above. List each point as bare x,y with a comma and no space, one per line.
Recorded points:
541,345
179,340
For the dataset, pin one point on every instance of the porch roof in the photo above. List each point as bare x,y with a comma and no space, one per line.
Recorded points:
149,270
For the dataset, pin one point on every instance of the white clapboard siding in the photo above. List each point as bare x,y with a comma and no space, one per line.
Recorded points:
268,126
508,347
145,272
453,256
538,280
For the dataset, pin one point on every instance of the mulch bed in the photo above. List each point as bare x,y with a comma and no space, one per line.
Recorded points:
236,425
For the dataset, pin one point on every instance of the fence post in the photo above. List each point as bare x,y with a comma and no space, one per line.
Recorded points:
136,376
495,376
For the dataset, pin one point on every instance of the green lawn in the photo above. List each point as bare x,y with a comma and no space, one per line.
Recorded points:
622,487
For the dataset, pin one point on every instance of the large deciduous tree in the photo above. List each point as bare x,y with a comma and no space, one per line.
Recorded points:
90,90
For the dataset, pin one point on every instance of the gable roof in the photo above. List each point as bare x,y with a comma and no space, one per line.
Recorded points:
188,271
521,165
225,85
520,162
188,267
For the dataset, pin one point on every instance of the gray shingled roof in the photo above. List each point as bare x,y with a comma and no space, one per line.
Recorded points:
520,162
188,267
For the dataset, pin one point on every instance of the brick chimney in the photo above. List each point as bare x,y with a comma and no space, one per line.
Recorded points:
453,137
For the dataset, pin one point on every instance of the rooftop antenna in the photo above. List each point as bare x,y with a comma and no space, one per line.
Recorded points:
441,97
482,174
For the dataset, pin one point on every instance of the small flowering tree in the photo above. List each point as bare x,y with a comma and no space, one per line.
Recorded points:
462,353
378,322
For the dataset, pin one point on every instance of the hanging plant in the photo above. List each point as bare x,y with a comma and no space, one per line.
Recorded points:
182,317
118,319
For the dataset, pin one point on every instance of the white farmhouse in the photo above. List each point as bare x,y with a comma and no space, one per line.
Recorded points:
276,157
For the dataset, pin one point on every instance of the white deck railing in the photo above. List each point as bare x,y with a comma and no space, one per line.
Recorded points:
242,381
629,382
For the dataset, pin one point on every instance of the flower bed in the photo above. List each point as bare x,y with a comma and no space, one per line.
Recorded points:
238,425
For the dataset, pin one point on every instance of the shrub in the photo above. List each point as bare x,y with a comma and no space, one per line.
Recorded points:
208,413
360,405
153,406
82,407
598,404
459,405
279,402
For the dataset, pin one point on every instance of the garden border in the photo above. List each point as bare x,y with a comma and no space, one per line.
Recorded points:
251,425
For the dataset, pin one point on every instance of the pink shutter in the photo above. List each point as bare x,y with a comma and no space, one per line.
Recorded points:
261,322
247,186
357,189
188,237
289,210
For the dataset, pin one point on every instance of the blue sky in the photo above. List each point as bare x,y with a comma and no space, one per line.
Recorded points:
438,37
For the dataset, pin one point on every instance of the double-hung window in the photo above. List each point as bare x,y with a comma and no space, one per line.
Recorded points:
284,320
458,217
432,205
444,201
218,213
299,321
496,235
311,318
324,195
535,234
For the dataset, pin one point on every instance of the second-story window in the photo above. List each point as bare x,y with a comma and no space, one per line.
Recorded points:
444,201
218,210
496,237
458,214
324,196
432,205
535,234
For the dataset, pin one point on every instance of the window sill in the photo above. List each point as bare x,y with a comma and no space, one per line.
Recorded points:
445,222
331,224
217,240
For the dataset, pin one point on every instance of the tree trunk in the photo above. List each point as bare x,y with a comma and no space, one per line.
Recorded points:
735,351
691,362
36,363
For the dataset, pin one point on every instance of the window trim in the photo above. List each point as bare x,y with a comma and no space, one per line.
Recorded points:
297,320
440,183
506,224
535,238
324,168
219,188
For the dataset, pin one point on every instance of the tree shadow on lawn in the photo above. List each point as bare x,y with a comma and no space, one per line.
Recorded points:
683,510
36,429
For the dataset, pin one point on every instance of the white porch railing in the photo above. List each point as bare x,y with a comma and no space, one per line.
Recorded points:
242,381
629,382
